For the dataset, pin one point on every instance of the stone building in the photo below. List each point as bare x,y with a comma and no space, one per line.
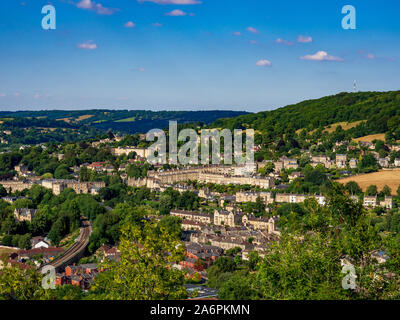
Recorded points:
141,152
370,201
248,196
16,185
193,216
209,174
387,203
58,186
227,218
262,223
353,163
24,214
341,160
289,198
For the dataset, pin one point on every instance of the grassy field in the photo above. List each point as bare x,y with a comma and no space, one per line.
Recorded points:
380,179
131,119
370,138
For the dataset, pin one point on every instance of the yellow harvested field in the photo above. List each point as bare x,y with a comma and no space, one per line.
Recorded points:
370,138
380,179
6,250
331,128
84,117
344,125
68,120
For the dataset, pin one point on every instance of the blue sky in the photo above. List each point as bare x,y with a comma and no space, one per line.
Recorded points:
248,55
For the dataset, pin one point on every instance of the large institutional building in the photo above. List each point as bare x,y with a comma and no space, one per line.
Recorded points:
207,174
56,185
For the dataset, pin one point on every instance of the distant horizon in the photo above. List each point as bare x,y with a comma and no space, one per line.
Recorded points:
180,109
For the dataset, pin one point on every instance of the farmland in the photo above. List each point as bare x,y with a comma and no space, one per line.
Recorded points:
380,179
370,138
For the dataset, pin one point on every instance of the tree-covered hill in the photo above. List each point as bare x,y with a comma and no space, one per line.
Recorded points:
128,121
32,127
381,110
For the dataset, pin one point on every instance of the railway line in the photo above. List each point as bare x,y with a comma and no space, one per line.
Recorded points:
76,251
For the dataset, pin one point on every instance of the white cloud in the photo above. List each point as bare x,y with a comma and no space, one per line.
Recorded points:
17,94
178,2
253,42
252,30
129,24
321,56
263,63
304,39
89,45
237,33
285,42
2,94
370,56
141,69
96,7
157,24
36,96
176,13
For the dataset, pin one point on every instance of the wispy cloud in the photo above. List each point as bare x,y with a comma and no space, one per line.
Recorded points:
2,94
129,24
141,69
176,13
157,24
370,56
89,45
36,96
321,56
178,2
96,7
252,30
263,63
285,42
304,39
253,41
237,33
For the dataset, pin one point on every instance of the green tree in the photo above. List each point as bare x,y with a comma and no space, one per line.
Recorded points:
84,174
19,284
353,188
172,225
386,191
238,287
372,190
62,172
143,272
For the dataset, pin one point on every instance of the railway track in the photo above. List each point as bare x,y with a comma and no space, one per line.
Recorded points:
75,250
